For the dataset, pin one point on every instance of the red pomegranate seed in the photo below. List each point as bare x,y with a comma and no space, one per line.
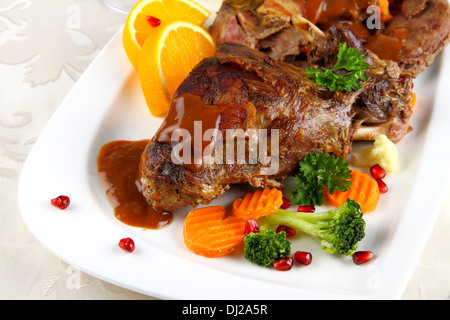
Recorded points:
360,257
61,202
154,22
305,50
306,209
290,232
283,264
286,203
377,171
127,244
382,186
303,257
251,226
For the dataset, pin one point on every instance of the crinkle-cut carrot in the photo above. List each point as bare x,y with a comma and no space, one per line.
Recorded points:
258,204
208,233
364,190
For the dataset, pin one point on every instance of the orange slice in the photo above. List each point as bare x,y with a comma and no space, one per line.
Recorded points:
138,27
167,58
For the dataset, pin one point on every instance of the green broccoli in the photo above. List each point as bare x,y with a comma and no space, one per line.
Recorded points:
338,230
265,248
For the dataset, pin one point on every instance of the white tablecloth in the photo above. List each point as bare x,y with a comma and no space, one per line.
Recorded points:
45,45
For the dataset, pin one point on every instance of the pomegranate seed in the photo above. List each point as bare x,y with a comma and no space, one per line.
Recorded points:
290,232
377,171
61,202
154,22
283,264
360,257
305,50
251,226
382,186
303,257
127,244
306,209
286,203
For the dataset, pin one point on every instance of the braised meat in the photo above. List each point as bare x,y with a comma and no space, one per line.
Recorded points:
293,31
428,26
264,25
413,37
243,88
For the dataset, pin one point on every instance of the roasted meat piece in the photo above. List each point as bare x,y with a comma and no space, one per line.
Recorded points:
269,26
413,37
427,24
243,88
293,31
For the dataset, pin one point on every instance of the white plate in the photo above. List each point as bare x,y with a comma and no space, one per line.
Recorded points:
106,104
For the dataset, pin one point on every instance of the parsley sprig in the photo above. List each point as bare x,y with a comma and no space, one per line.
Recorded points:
317,171
349,59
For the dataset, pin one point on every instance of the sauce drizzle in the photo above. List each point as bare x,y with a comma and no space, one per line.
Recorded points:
199,121
118,171
388,45
326,13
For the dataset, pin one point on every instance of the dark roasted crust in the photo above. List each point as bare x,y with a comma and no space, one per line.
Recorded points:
169,186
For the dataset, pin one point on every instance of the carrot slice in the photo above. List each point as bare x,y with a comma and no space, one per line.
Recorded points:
208,233
412,103
363,190
258,204
384,10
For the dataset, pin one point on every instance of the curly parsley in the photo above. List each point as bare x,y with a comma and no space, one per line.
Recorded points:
349,59
317,171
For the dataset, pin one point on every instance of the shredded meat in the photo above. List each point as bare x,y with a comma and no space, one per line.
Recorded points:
425,26
428,23
278,28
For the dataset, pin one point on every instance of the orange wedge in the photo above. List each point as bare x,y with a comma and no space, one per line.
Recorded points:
140,22
167,58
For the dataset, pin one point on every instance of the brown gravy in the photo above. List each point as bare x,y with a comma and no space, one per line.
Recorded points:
118,171
326,13
388,45
183,113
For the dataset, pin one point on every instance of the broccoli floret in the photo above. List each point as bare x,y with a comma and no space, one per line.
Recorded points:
264,248
338,230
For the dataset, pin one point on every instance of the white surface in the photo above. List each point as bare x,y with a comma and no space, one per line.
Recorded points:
106,104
